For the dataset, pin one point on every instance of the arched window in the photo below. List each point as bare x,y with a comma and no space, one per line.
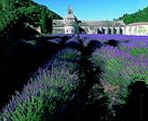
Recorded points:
114,31
121,31
109,31
103,31
99,31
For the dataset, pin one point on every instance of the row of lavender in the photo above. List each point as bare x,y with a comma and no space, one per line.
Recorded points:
124,60
80,77
123,64
49,87
66,88
121,69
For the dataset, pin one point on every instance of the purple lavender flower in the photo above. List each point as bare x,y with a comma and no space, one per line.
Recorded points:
120,69
60,76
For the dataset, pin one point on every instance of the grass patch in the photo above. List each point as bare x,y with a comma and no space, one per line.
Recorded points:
139,51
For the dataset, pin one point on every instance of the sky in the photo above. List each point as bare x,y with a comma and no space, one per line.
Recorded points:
95,9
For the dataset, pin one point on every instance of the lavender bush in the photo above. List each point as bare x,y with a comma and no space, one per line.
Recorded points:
76,83
48,88
69,56
120,70
121,38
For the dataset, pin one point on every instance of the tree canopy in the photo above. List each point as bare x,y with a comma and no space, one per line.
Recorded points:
26,11
139,16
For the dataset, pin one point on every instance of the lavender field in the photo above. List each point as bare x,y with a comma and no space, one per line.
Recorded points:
89,77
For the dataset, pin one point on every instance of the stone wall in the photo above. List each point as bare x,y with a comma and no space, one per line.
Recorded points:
137,29
70,25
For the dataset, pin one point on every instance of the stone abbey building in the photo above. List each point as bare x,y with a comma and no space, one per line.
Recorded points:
70,25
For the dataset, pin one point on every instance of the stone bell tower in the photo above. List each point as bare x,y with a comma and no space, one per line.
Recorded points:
70,22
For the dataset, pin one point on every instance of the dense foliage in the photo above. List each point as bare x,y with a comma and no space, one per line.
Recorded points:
139,16
91,78
27,12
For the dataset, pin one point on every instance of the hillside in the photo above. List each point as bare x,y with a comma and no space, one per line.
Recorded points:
139,16
18,57
16,13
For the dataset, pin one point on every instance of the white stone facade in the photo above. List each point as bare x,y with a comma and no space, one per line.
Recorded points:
70,25
70,29
140,28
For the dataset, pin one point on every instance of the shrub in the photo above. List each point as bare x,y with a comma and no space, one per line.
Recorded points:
42,96
120,69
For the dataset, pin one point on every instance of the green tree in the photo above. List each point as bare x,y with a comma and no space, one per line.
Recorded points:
139,16
43,19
